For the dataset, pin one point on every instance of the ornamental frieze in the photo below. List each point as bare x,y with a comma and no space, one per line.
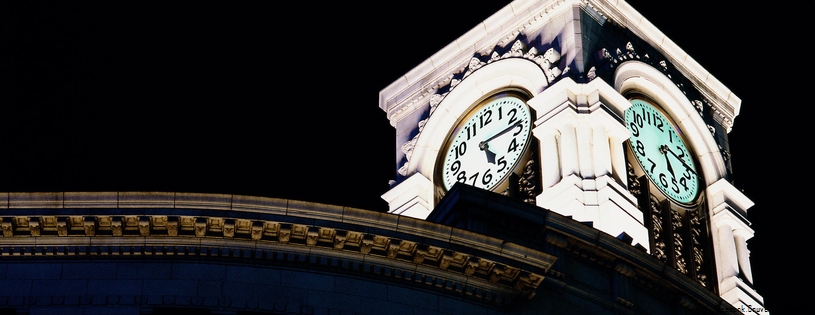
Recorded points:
163,235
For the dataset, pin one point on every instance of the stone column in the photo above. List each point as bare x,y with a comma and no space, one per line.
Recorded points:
568,149
550,162
743,253
584,149
617,154
727,250
602,151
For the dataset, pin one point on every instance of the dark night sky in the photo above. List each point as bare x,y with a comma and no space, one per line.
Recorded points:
243,99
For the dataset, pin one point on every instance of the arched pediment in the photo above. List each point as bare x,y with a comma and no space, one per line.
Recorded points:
510,73
636,76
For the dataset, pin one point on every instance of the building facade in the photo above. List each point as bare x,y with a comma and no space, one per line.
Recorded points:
626,131
562,157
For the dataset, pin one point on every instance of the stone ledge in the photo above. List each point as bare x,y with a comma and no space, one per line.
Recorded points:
198,237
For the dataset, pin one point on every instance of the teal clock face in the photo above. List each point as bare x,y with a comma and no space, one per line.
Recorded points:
487,144
661,152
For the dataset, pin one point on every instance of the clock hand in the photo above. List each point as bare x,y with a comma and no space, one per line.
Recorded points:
665,148
486,148
483,144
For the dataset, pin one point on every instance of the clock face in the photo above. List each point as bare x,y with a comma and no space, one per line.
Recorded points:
486,146
661,152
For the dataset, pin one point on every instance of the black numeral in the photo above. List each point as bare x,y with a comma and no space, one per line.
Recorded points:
653,165
512,146
520,128
634,129
681,152
455,167
462,177
638,119
503,163
486,118
512,113
487,177
470,131
461,149
640,148
474,177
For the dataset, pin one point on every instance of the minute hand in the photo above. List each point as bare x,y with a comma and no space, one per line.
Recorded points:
668,149
516,124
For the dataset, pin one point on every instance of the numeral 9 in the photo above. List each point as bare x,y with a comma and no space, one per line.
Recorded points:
455,167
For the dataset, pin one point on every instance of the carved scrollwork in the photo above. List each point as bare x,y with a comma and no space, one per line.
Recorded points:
698,249
678,242
527,182
657,229
633,184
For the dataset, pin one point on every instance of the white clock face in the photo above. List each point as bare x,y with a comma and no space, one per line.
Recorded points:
486,146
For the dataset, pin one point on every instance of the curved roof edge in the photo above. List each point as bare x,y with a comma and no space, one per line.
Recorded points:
166,225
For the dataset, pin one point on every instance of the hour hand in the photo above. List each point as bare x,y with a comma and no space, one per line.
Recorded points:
486,148
664,150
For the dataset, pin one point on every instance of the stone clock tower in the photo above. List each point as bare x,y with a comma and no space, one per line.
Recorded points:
583,108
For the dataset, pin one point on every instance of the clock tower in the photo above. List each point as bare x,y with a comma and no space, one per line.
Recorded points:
583,108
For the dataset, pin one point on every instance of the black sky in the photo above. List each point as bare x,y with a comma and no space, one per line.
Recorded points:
281,101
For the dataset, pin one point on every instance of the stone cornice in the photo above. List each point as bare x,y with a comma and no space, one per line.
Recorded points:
413,90
319,237
219,226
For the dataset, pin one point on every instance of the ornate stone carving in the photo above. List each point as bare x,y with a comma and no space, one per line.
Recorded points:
271,229
76,223
229,228
298,232
90,226
62,227
698,248
144,226
116,226
725,153
34,227
8,229
633,184
624,268
657,229
201,227
678,242
699,106
556,239
527,182
256,232
455,259
172,226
